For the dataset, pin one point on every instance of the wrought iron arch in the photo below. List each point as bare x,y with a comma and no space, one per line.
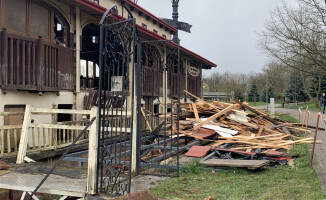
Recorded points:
118,36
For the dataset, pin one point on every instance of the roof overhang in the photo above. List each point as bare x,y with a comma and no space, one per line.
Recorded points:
207,64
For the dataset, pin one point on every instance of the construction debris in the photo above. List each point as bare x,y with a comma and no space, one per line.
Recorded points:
4,166
241,128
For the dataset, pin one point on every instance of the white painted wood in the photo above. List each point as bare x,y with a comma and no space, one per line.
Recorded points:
55,126
8,127
61,111
24,136
29,160
23,196
92,153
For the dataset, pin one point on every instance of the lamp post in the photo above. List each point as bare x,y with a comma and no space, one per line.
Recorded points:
266,70
175,18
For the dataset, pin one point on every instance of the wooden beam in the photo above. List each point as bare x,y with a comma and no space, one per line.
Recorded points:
195,111
24,136
92,153
222,112
146,120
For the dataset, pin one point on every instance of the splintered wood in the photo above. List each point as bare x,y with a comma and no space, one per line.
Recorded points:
238,126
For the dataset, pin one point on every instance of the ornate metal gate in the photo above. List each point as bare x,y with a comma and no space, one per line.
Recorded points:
116,100
158,71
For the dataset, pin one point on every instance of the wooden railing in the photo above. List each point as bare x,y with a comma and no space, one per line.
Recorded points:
50,136
9,139
31,64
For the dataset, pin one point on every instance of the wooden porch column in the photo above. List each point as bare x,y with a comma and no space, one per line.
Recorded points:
92,153
40,64
78,46
4,60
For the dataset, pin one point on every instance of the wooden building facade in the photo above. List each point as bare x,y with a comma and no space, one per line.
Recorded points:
49,53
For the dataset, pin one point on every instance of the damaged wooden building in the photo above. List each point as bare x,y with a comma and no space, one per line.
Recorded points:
49,60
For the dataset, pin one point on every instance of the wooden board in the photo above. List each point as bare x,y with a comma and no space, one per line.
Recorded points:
252,164
3,172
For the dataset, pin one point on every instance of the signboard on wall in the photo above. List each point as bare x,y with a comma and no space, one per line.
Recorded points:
193,70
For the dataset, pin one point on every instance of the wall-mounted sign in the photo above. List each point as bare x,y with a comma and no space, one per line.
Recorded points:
117,83
193,70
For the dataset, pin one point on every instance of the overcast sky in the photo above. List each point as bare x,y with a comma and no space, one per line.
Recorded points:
224,31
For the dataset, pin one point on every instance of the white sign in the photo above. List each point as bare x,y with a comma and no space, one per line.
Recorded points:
117,83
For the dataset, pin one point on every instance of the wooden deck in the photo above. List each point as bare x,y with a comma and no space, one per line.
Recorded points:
55,184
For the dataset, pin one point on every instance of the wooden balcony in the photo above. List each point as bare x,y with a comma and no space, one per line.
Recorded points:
34,64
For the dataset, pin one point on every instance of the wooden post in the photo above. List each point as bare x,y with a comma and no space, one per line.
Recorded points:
92,153
4,60
24,136
40,64
315,137
305,134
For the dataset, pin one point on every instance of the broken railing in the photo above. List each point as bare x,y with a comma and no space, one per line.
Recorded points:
38,134
9,137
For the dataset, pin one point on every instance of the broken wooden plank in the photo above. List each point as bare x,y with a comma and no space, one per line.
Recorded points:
252,164
222,112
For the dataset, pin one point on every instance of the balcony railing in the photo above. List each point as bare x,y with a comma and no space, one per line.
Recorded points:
33,64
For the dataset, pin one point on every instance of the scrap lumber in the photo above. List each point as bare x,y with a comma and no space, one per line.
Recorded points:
146,119
251,164
211,118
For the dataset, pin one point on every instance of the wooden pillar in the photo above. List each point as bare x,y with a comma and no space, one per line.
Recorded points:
40,64
92,153
4,60
164,81
24,136
78,49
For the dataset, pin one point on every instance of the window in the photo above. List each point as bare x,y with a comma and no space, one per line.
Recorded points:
164,36
144,25
156,108
59,30
155,31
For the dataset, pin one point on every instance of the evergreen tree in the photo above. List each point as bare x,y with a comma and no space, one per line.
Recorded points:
314,86
295,90
253,95
270,94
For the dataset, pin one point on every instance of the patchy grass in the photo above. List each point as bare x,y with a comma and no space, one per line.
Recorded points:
195,182
285,182
286,117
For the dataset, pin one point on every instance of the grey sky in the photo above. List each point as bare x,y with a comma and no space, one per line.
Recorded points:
224,31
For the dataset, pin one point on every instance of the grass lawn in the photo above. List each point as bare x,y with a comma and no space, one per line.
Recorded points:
259,103
303,106
285,117
285,182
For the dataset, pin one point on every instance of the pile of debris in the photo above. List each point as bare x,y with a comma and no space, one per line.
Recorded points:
239,129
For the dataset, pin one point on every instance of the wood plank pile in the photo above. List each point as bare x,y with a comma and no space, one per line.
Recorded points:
238,126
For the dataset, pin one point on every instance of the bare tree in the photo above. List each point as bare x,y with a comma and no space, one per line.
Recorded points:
297,38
